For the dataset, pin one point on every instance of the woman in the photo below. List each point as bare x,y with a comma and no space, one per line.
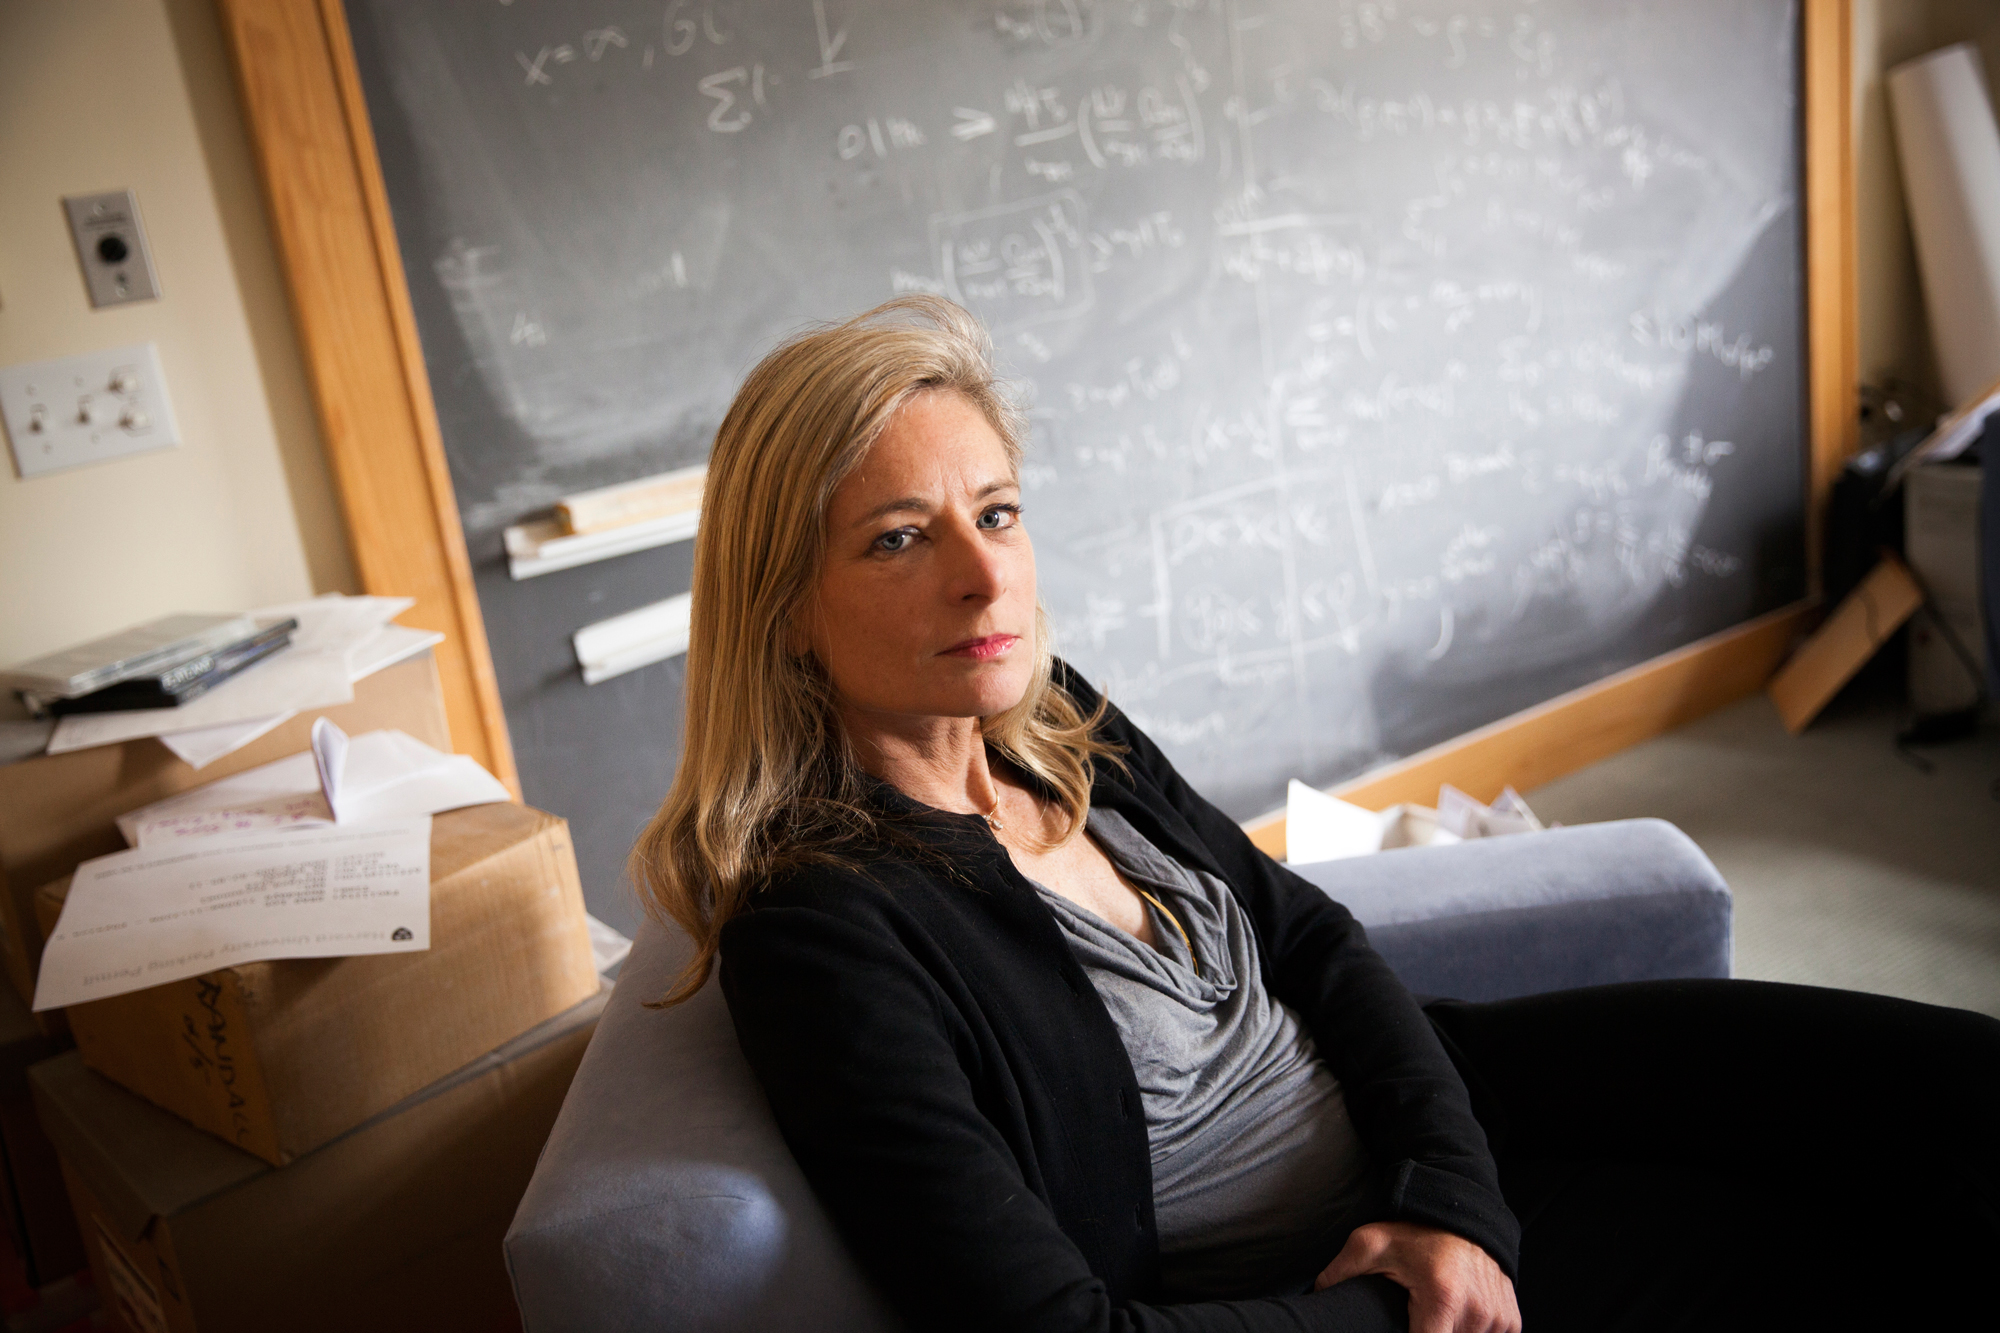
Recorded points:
1060,1049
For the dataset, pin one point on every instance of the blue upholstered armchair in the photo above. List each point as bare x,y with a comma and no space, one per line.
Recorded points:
666,1200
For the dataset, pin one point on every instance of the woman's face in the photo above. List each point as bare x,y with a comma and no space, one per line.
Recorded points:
926,604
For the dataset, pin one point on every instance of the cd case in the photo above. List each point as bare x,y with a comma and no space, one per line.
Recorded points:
152,648
184,681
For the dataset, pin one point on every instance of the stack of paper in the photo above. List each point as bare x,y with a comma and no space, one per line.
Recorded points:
144,918
339,640
321,855
1469,818
1319,827
377,776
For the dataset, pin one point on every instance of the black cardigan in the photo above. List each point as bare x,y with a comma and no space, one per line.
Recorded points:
961,1102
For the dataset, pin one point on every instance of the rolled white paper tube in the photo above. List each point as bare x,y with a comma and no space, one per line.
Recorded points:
1950,147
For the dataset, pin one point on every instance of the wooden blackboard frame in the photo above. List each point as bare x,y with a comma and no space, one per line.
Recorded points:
308,123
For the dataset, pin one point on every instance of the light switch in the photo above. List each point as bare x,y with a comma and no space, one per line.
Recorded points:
86,409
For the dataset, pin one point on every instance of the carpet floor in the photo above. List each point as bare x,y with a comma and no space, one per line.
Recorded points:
1852,866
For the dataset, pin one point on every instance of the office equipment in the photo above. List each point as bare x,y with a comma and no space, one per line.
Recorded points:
173,686
1387,377
157,645
89,408
1949,147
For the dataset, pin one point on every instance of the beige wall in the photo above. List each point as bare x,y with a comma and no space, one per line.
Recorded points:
104,94
1895,343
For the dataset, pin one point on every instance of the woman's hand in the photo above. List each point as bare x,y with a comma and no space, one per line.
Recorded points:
1454,1286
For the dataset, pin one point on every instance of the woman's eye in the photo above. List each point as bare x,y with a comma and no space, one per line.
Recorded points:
1000,516
895,541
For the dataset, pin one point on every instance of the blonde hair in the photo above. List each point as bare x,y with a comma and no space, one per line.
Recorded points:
766,779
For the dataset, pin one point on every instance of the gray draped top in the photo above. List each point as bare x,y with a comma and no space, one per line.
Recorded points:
1258,1175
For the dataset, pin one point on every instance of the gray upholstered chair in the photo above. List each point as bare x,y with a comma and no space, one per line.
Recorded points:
666,1201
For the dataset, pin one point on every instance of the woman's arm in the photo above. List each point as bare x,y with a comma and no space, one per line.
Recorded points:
864,1072
1406,1098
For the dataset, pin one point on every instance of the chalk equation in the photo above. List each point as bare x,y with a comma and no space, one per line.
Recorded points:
1017,264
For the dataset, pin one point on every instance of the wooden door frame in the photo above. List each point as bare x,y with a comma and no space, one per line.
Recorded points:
329,210
301,97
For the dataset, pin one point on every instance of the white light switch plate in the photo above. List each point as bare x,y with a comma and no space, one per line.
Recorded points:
86,409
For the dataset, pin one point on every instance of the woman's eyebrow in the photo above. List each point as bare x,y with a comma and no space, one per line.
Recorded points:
917,504
908,504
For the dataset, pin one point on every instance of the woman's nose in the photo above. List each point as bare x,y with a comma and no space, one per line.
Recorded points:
977,565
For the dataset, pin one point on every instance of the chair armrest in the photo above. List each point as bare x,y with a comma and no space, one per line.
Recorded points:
1633,900
665,1198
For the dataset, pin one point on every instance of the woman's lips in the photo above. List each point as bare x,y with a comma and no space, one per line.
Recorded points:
982,649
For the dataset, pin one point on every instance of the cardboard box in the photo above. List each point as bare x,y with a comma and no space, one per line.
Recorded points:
396,1225
58,809
281,1057
33,1203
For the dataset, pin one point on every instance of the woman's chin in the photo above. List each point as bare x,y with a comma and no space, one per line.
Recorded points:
993,687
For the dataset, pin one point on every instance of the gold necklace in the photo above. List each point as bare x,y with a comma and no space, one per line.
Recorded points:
1179,929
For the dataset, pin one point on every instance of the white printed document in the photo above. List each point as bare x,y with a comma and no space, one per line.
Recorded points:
377,776
158,914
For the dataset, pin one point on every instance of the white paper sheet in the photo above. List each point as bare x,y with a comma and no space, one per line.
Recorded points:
158,914
1414,826
384,775
1319,827
329,752
204,745
384,647
387,646
1470,818
334,623
609,946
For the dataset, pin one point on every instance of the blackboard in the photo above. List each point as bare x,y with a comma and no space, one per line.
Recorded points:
1392,366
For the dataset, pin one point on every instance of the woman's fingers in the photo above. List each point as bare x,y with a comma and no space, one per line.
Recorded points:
1454,1286
1365,1247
